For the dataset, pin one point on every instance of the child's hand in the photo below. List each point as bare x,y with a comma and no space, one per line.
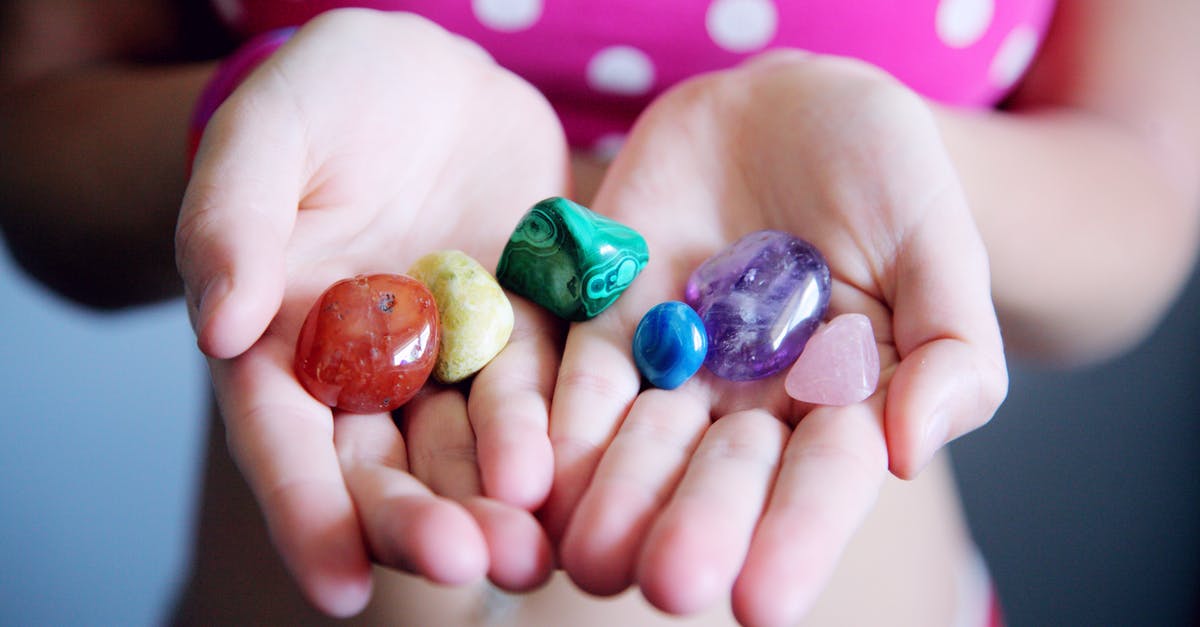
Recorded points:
367,141
719,485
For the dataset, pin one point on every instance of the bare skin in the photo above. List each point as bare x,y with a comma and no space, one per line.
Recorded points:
1099,152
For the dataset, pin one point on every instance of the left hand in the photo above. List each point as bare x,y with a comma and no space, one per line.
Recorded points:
720,486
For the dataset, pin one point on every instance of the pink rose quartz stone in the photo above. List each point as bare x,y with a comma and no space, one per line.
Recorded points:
839,365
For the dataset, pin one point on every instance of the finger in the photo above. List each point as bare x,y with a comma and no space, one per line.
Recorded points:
828,480
282,441
596,384
509,408
698,544
406,525
236,219
942,390
442,455
952,375
521,557
632,483
441,445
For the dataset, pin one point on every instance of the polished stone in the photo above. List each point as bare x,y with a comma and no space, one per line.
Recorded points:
839,365
669,345
368,343
571,260
476,317
760,300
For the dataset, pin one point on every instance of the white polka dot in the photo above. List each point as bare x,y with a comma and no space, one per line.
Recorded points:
741,25
607,147
231,11
507,15
1013,57
961,23
621,70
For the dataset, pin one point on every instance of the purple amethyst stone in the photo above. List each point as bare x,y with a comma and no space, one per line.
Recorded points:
760,299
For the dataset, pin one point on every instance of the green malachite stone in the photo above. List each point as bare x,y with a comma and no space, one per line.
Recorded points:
571,260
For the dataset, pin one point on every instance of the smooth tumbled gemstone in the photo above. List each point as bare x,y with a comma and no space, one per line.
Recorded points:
476,317
760,300
368,343
571,260
669,345
839,365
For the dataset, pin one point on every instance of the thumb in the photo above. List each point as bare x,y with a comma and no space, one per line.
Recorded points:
952,374
236,219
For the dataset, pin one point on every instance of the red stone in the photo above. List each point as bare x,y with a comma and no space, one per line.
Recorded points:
369,343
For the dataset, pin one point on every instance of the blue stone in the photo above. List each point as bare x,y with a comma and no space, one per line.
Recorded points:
669,345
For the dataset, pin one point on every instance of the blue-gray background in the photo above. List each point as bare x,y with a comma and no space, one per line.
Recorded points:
100,441
1083,492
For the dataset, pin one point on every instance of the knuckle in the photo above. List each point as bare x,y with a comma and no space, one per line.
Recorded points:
379,446
688,102
659,428
248,436
360,20
416,30
576,446
865,465
744,437
593,383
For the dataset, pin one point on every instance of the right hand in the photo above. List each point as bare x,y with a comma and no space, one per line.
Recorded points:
367,141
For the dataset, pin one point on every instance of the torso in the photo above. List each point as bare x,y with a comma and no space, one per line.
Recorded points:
601,61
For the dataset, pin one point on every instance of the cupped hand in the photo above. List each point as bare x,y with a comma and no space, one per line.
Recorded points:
367,141
722,488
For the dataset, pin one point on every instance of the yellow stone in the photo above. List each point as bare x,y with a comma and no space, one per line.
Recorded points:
475,315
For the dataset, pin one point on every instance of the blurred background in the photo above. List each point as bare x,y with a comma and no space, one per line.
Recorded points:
1084,492
100,442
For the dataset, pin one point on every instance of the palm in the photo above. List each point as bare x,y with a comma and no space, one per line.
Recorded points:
348,153
696,491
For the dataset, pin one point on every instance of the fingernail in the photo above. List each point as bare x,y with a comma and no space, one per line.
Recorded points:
932,439
210,299
346,598
343,583
210,296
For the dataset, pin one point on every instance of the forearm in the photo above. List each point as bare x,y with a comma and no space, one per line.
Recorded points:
1090,234
94,171
1087,189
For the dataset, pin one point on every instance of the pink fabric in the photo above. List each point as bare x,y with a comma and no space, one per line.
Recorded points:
601,61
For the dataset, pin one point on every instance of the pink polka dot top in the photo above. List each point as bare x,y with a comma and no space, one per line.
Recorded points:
601,61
